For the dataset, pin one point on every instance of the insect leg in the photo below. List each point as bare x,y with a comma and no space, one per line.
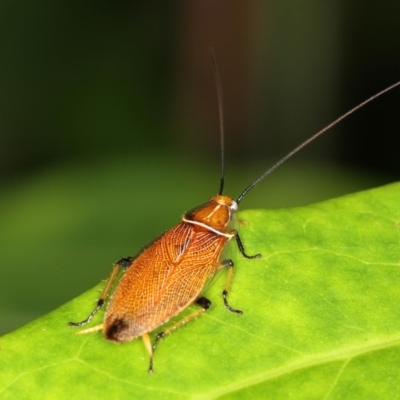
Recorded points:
123,263
201,302
229,264
241,248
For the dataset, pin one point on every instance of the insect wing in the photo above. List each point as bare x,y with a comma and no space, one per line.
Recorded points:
165,278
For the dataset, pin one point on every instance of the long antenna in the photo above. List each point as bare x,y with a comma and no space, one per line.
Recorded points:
221,116
312,138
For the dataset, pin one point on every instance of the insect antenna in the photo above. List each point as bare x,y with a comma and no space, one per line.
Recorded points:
220,115
312,138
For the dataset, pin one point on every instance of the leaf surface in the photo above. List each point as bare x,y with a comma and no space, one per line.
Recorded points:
321,320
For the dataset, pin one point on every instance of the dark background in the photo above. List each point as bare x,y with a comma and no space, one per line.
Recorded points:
109,123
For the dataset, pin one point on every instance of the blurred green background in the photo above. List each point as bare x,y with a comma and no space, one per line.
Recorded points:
109,123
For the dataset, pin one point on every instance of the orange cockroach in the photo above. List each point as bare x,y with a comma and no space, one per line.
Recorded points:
170,273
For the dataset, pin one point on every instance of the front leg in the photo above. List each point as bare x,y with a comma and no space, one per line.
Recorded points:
241,247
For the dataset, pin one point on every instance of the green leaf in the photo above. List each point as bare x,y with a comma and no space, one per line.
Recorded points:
321,320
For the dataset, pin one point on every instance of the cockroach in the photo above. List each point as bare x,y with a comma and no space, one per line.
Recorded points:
170,273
